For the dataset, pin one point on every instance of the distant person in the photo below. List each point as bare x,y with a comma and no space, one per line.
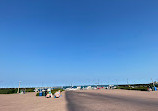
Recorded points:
57,94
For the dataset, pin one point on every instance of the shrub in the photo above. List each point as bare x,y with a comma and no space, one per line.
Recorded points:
30,89
37,94
135,88
55,90
8,90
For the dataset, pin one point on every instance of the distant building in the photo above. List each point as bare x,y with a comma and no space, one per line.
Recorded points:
155,82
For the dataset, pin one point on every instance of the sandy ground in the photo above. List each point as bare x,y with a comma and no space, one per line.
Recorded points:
30,102
87,100
112,100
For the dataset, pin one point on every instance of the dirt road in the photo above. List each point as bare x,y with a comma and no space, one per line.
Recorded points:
111,101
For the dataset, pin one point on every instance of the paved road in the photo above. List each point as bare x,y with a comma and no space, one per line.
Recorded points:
88,101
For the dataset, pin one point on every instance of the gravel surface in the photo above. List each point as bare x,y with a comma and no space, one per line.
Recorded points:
112,100
30,102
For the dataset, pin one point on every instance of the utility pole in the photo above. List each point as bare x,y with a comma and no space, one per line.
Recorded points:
71,85
127,81
19,87
117,82
98,81
153,82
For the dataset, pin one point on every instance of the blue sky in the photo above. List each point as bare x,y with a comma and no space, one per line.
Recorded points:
46,43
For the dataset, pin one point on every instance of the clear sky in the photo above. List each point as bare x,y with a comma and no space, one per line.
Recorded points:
63,42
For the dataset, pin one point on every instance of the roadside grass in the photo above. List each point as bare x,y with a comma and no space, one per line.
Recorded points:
14,90
131,88
29,90
8,90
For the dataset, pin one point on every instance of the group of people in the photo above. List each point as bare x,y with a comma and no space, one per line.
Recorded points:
49,94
